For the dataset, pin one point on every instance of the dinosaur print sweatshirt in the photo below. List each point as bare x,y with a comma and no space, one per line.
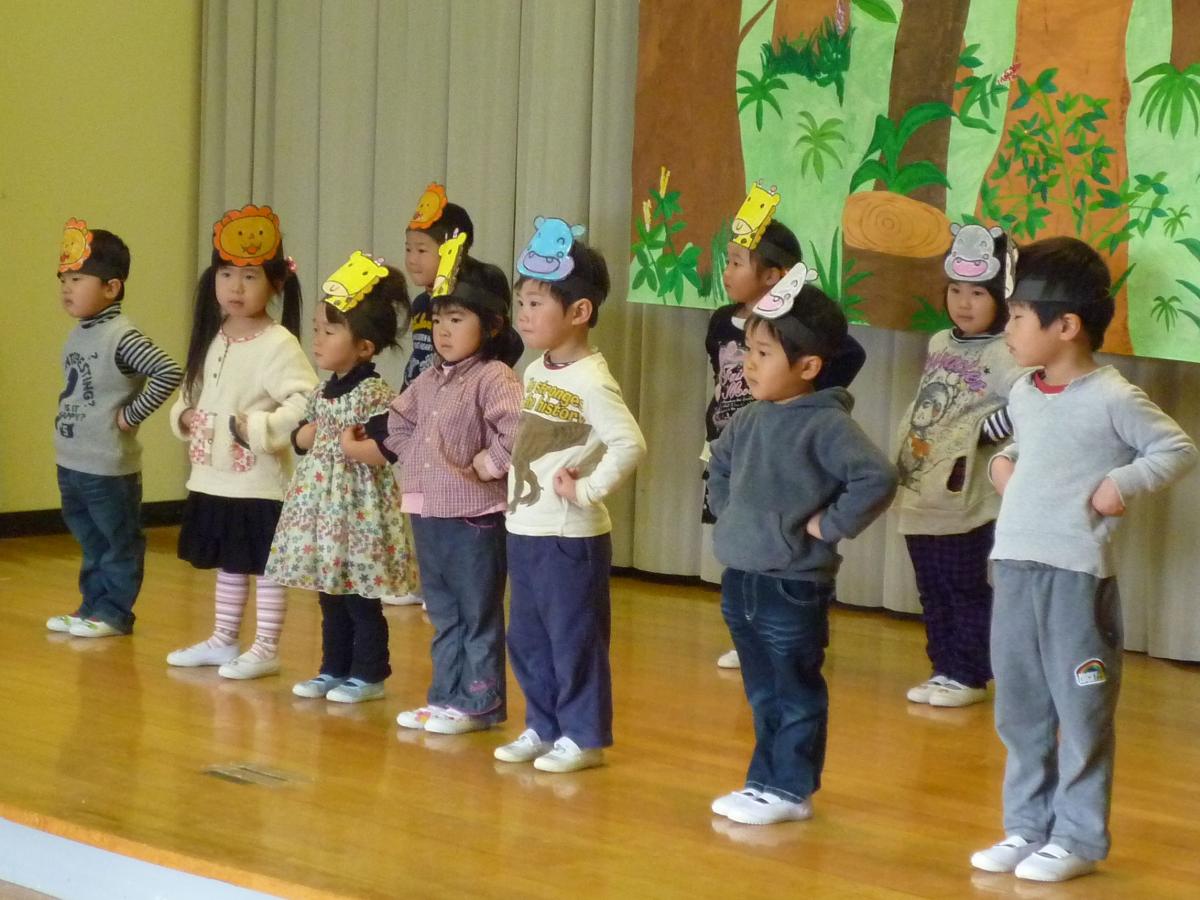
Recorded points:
572,417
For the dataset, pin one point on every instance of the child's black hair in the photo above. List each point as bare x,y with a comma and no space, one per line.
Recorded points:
588,279
822,324
483,289
381,316
109,258
995,286
778,248
1064,276
453,218
206,312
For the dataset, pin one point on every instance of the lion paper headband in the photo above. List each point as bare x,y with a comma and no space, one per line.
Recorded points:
450,256
547,257
354,279
754,215
76,246
248,236
429,207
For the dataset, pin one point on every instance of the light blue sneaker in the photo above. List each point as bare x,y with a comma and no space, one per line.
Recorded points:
317,687
355,690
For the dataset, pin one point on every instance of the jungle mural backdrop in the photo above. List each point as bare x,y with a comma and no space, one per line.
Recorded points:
881,122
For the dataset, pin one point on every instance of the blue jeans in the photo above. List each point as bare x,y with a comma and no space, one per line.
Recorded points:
104,513
559,623
462,579
780,628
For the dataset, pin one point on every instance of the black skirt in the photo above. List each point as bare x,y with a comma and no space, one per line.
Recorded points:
230,533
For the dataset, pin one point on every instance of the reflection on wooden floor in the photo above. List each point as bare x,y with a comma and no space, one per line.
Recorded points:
103,743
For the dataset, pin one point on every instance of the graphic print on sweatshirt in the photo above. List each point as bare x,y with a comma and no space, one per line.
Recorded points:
948,382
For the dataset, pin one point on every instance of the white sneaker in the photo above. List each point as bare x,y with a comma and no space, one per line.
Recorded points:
567,756
729,660
249,665
922,692
769,809
416,718
726,802
406,600
94,628
1004,856
526,748
1053,863
317,687
954,693
451,721
62,624
202,655
355,690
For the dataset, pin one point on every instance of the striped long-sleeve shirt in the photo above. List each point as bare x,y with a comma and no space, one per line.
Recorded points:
138,355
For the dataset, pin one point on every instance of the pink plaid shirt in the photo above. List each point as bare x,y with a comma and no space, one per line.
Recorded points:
435,428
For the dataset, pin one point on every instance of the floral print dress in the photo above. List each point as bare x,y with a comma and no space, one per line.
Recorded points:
341,531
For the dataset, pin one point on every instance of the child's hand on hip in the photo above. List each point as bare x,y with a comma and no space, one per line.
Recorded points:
349,439
123,423
813,525
1001,470
564,483
306,435
241,427
186,418
480,464
1107,499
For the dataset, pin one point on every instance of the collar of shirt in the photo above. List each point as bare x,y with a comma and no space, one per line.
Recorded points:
446,370
340,385
109,312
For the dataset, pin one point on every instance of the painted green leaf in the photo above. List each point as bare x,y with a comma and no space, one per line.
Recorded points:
870,170
920,115
877,9
916,175
1192,245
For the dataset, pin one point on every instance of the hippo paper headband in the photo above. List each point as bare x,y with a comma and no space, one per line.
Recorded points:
248,236
754,215
350,284
429,207
781,299
973,257
548,254
450,257
76,246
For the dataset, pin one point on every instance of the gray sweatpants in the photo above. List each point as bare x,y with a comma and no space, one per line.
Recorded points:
1056,654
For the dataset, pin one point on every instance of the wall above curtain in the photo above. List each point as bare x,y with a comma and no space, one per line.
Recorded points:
881,122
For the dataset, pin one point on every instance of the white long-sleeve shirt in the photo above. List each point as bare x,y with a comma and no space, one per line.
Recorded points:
572,417
268,378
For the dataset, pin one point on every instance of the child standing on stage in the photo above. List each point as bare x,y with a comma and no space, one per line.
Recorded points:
115,378
245,390
790,476
453,432
947,507
1086,443
761,251
576,442
433,222
341,533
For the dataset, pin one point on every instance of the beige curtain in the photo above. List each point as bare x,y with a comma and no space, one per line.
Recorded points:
339,113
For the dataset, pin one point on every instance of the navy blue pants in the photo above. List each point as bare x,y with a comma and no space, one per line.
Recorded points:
354,638
956,601
462,580
559,623
104,513
780,629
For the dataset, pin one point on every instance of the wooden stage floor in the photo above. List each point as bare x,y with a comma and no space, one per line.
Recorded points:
103,743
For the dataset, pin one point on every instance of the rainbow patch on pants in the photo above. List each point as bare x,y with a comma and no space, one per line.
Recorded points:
1090,672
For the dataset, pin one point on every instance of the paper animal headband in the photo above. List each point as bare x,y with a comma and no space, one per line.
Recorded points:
248,236
973,258
450,257
76,246
354,279
754,215
547,257
777,303
429,207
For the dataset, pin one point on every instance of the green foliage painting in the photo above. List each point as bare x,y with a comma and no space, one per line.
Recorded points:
879,123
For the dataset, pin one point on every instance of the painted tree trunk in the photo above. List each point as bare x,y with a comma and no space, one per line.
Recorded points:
901,240
686,106
1090,57
796,20
1185,33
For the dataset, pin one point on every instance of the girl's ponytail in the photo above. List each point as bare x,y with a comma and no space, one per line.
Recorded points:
206,323
292,302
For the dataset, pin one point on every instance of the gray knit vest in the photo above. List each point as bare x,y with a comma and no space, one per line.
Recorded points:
86,437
